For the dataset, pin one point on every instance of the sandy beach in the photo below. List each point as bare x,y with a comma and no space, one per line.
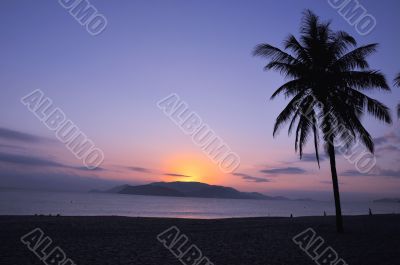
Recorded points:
124,240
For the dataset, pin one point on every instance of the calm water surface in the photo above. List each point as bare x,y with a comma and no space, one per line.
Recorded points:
34,202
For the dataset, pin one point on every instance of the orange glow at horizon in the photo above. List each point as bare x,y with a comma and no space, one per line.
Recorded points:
192,168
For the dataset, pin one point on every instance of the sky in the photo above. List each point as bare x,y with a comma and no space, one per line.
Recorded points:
109,84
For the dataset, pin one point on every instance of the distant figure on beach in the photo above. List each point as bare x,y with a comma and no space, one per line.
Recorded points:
370,211
291,215
324,213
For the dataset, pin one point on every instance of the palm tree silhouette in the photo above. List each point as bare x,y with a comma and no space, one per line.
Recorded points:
397,83
326,80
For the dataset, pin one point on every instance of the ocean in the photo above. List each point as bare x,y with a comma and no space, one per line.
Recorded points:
18,202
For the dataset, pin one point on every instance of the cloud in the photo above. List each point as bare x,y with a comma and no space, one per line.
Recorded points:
94,169
284,170
139,169
391,137
388,148
55,181
24,160
355,173
251,178
379,140
308,157
13,135
378,172
177,175
329,182
390,173
389,143
11,146
28,160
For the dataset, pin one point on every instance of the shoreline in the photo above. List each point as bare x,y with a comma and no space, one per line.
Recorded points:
200,219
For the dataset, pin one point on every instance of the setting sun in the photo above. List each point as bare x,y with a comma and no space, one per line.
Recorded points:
190,167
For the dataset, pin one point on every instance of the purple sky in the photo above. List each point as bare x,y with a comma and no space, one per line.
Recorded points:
109,84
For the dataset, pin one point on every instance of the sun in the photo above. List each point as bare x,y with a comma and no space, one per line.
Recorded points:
189,167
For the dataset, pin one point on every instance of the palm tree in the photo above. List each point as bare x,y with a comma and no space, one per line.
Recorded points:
397,83
327,74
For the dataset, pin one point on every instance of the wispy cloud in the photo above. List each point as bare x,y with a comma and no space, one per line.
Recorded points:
11,146
378,172
13,135
390,173
353,173
389,143
177,175
26,160
379,140
391,137
384,150
55,180
139,169
251,178
284,170
91,170
329,182
309,157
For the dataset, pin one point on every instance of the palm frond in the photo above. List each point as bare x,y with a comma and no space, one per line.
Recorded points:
316,139
287,113
378,110
286,69
275,54
373,106
293,44
397,80
355,59
363,80
398,110
341,42
290,88
309,24
305,128
363,134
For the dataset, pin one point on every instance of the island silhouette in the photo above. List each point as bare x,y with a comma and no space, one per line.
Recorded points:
190,189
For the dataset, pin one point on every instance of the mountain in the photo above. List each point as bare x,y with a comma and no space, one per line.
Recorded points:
151,190
117,189
190,189
391,200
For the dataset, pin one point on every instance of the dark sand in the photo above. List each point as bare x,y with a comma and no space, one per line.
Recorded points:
123,240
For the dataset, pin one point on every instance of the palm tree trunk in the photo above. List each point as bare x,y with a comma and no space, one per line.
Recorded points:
339,219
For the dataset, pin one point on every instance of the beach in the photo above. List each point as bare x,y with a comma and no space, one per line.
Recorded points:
129,240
